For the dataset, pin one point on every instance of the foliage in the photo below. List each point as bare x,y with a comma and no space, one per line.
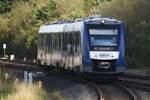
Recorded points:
21,19
27,92
22,91
136,15
56,95
10,89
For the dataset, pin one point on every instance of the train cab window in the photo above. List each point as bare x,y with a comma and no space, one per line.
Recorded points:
103,37
97,40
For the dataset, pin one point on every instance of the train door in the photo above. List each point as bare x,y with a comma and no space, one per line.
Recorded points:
65,49
71,49
77,50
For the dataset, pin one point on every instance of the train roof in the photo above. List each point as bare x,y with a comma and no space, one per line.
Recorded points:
75,25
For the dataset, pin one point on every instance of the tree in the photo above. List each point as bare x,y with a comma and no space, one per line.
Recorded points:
136,15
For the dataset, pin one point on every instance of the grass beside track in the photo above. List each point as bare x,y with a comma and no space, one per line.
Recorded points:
24,92
12,89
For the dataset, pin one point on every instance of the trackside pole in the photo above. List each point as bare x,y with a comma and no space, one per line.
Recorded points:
25,59
25,77
30,78
6,76
40,84
4,47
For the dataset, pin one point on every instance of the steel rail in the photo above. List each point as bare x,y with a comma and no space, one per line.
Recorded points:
20,66
135,84
136,76
98,90
128,92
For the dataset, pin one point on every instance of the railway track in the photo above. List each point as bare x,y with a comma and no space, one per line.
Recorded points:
98,90
135,84
20,65
123,86
136,76
140,82
89,85
142,88
132,95
117,92
76,78
114,91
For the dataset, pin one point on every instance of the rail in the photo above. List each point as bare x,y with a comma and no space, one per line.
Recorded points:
20,65
128,92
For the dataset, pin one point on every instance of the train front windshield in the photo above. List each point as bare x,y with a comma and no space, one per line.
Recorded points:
103,37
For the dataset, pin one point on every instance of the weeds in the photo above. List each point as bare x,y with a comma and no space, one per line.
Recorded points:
27,92
55,95
10,89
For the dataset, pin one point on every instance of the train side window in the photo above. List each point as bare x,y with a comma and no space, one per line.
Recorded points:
41,42
54,42
67,42
77,42
74,42
63,44
50,43
70,45
47,42
59,41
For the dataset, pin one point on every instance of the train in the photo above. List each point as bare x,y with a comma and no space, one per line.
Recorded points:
90,45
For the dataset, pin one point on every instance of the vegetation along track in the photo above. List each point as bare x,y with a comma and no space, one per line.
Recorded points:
104,92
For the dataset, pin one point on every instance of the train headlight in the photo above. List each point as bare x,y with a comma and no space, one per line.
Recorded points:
103,21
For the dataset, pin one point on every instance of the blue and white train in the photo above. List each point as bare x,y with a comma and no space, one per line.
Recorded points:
94,45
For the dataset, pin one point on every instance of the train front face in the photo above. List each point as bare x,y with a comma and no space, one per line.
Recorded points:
106,52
